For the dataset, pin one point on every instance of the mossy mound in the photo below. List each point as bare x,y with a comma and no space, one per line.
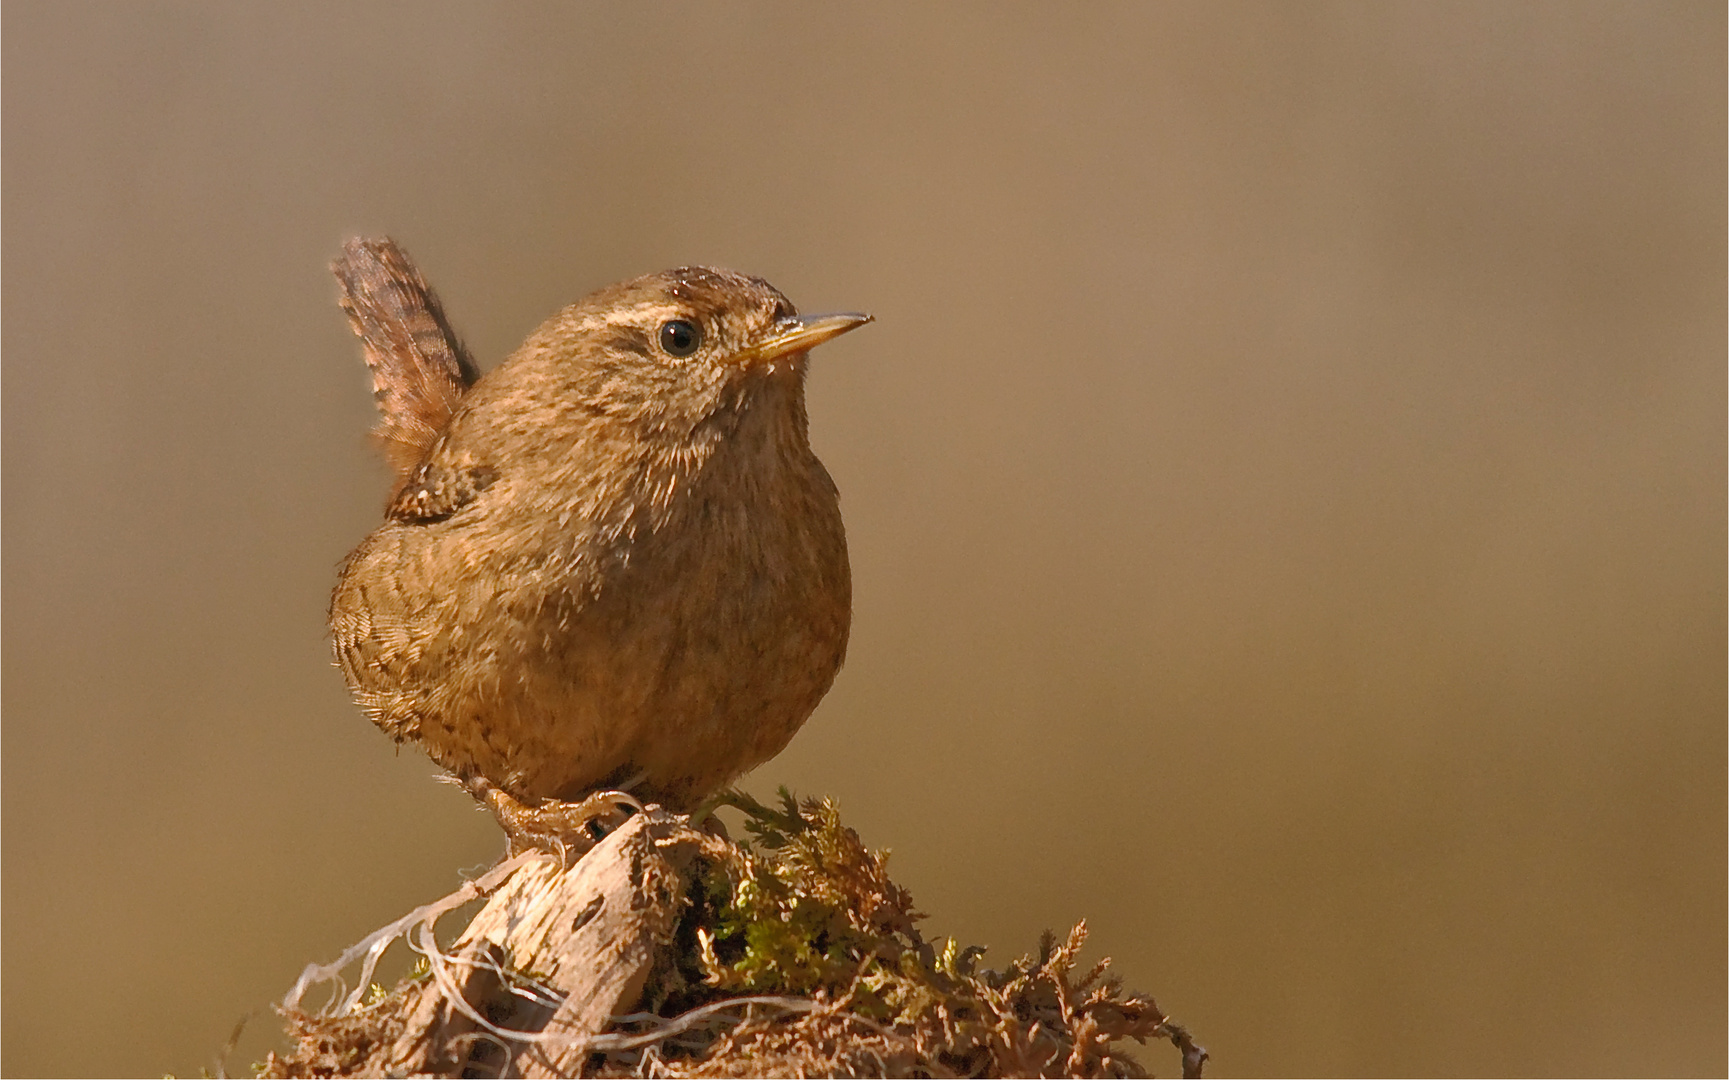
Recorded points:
792,953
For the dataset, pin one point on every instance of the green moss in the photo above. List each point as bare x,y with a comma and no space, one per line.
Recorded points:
801,908
802,905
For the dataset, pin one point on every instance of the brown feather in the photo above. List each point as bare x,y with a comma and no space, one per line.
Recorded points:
420,371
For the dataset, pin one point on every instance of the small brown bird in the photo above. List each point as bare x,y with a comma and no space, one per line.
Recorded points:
613,562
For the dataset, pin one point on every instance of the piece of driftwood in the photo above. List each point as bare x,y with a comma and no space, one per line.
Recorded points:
671,951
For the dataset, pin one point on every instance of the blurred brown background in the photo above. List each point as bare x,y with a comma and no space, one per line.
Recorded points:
1285,482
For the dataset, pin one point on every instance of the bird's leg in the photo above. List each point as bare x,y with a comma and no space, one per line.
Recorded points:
566,829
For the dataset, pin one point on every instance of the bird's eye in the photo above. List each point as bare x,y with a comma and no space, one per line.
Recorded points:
680,338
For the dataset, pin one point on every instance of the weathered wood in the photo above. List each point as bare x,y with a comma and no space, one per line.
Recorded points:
585,931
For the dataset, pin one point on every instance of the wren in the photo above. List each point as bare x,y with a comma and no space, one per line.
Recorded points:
612,563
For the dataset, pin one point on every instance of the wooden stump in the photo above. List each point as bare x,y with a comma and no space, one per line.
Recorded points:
586,934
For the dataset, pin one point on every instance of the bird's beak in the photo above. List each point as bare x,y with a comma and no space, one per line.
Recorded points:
799,333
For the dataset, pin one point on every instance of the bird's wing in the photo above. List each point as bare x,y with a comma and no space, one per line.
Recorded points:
419,369
435,489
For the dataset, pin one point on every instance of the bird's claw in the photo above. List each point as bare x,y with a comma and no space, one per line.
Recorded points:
566,829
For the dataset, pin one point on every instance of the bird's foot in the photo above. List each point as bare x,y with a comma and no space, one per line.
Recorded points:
566,829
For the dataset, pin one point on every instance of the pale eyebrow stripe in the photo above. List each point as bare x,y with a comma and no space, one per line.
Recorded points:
639,313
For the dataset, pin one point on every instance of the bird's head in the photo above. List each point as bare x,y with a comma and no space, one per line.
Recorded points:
678,348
